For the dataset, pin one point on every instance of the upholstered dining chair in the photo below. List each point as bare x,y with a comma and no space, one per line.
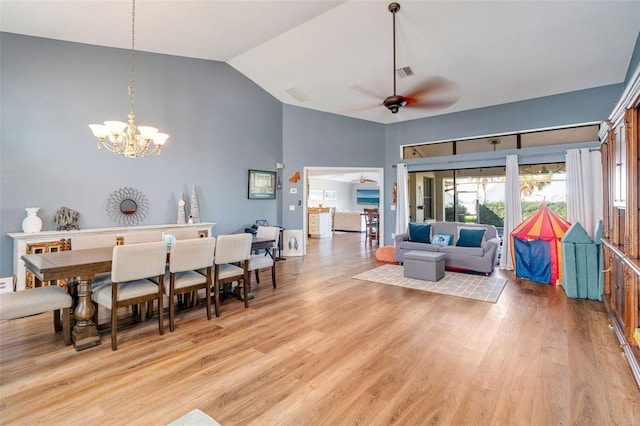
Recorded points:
184,233
187,258
85,242
265,260
233,248
137,237
131,267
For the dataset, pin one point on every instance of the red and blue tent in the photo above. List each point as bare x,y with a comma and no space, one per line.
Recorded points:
537,246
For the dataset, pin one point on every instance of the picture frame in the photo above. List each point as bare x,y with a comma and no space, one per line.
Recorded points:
330,195
292,242
262,185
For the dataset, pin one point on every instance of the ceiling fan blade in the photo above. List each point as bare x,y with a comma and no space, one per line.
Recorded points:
431,104
360,109
370,93
433,84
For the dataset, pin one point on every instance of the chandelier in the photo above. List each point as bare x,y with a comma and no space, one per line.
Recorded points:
121,138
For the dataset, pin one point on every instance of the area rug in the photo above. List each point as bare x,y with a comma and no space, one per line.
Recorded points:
194,418
470,286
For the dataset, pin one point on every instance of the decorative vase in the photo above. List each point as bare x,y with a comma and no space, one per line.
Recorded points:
32,223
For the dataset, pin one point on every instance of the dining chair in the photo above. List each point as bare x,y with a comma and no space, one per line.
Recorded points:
233,248
187,259
372,223
265,260
137,237
131,267
85,242
184,233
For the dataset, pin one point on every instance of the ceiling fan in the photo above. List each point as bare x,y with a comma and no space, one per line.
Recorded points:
421,96
364,180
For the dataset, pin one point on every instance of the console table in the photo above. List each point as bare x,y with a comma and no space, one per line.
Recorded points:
54,241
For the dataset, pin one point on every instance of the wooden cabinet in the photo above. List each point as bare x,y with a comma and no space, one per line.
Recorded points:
319,224
621,189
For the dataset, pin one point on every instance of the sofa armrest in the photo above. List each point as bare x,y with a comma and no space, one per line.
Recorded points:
401,237
493,241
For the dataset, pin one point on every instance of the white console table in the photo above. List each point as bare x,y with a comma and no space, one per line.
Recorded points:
58,239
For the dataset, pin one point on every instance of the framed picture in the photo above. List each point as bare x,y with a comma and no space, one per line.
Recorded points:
329,195
292,242
262,185
315,194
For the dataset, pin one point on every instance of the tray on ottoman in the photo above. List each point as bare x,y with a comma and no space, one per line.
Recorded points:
424,265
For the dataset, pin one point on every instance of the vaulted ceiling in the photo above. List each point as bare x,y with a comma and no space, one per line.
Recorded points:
336,56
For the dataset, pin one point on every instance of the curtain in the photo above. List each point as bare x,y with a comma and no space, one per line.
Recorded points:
584,187
402,208
512,209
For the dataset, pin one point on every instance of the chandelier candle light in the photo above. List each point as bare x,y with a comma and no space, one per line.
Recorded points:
122,137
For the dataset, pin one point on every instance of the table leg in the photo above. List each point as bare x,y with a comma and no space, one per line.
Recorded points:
85,332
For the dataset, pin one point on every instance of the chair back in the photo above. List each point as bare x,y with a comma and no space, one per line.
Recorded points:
138,261
137,237
269,232
83,242
192,254
233,248
184,233
371,216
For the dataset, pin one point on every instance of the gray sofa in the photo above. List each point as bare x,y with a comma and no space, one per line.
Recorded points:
478,259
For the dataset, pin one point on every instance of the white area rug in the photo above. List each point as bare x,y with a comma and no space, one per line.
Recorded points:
194,418
470,286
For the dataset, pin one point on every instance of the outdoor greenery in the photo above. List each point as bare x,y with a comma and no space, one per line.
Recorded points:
492,213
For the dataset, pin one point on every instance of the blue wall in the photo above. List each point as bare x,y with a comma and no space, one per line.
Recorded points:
318,139
220,123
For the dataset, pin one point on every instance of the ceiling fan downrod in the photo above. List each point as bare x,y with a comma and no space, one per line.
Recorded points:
394,102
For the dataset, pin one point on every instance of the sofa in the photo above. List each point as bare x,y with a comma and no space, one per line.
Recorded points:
467,247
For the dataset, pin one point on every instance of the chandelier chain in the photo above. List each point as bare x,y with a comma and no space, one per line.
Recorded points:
132,57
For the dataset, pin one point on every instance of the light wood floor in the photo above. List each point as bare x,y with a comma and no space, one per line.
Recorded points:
326,349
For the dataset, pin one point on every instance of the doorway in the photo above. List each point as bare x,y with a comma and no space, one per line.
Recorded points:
337,188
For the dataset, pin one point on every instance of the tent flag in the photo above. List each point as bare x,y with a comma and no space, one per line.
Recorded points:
547,228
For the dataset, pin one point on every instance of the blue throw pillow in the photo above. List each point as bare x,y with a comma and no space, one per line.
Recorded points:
470,237
420,232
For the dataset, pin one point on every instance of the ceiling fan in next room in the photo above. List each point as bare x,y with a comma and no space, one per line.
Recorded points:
427,95
365,180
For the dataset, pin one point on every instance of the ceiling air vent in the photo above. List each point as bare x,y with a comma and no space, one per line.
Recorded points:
404,72
298,94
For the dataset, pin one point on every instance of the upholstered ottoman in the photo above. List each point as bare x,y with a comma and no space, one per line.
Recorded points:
424,265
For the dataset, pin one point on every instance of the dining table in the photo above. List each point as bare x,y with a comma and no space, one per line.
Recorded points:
80,267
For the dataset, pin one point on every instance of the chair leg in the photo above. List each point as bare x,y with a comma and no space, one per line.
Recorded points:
114,327
245,290
257,277
172,326
66,326
56,321
216,298
273,274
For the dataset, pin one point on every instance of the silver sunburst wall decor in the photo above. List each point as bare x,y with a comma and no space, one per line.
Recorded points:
127,206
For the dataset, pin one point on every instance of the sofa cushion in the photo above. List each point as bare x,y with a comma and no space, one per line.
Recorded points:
442,240
420,232
466,251
470,237
411,245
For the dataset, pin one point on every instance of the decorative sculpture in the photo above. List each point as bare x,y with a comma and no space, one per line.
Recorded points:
66,219
194,210
181,213
295,178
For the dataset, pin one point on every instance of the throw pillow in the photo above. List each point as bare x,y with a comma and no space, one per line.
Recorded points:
470,237
420,232
441,240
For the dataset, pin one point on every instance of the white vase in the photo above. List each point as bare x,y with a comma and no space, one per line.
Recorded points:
32,223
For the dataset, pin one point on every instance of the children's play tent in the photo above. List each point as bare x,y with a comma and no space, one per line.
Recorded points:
537,248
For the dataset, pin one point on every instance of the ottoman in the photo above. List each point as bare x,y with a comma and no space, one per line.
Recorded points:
424,265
